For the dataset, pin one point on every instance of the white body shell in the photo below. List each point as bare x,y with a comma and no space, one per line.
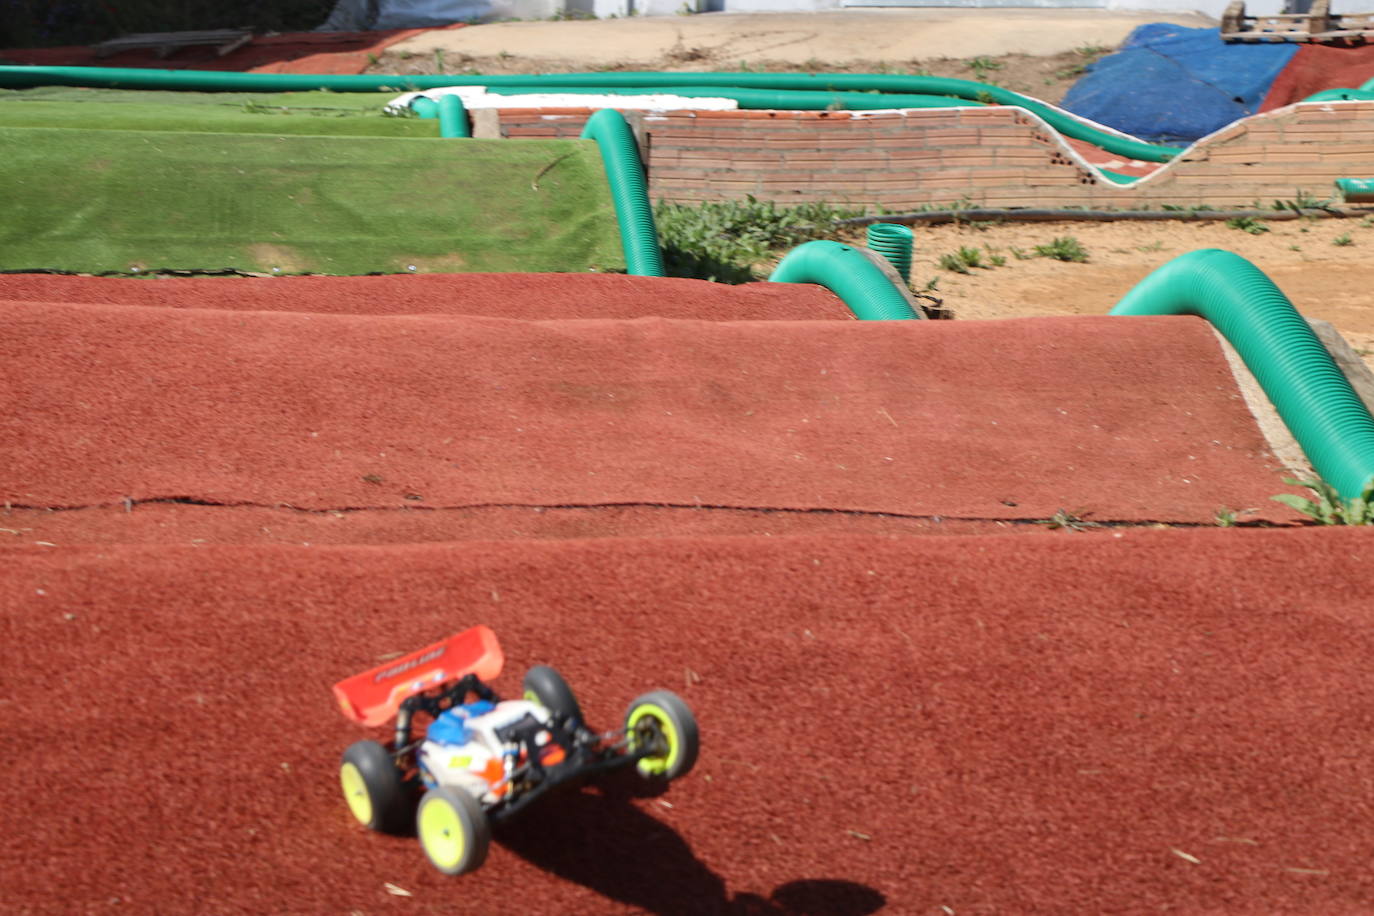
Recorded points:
482,764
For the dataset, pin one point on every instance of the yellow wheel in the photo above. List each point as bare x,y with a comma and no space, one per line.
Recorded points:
373,787
661,725
453,830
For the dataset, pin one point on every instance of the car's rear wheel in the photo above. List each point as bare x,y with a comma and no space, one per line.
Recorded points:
374,788
662,723
453,830
545,686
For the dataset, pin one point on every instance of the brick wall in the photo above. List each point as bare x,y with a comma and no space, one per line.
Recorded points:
994,157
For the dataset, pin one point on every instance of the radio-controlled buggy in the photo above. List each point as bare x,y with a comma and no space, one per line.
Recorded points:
482,759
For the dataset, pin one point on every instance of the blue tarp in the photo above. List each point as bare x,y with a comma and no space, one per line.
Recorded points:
1170,83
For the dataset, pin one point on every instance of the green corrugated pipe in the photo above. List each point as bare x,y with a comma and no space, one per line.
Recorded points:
453,117
1341,95
1309,391
892,241
1356,189
216,81
849,274
629,190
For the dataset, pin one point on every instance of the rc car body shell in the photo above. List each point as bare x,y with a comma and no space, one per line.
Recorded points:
374,696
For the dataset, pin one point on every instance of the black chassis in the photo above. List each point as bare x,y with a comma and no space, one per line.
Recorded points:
587,753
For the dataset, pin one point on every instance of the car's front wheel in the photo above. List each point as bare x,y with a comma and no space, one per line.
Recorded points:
373,787
453,830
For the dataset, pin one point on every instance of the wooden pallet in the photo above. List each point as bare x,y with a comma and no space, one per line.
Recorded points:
1320,25
168,43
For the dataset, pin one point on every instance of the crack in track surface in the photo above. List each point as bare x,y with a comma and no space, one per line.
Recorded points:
129,505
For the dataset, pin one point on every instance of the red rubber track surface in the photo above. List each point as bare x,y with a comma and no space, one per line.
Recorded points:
1057,723
113,406
1117,721
1317,67
494,295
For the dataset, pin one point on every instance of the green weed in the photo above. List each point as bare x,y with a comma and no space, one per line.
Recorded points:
953,262
982,66
1069,521
1230,518
1303,201
1341,241
1063,248
722,240
1247,224
1326,507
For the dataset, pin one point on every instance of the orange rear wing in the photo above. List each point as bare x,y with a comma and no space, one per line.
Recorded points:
373,697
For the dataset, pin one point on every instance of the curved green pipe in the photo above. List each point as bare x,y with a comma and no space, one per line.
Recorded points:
1341,95
849,274
216,81
629,190
453,117
1309,391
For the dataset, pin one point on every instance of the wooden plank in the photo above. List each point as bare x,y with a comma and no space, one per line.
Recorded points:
1318,25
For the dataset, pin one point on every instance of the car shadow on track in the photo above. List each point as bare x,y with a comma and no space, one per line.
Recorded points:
603,841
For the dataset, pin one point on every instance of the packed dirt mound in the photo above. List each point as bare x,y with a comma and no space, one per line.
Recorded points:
1135,420
1042,724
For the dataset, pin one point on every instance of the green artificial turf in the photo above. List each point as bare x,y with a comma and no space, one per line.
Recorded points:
320,113
343,101
113,201
215,119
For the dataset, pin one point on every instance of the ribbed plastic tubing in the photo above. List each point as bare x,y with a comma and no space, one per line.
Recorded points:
848,273
1356,189
1363,94
453,117
223,81
629,191
1306,387
894,242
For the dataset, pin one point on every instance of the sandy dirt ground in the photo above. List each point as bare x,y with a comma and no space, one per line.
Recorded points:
1319,264
1035,51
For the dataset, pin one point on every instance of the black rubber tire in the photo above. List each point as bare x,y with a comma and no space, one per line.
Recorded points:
392,803
546,687
472,822
675,721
